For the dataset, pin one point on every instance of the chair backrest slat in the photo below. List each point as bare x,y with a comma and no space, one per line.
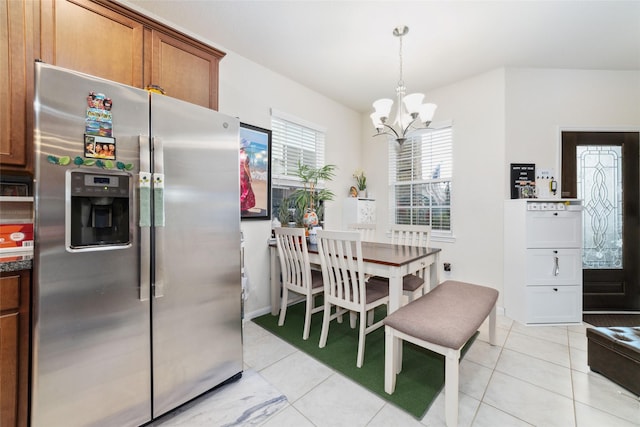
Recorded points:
367,231
344,275
411,235
294,256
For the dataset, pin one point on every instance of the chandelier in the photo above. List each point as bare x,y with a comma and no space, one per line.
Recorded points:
411,113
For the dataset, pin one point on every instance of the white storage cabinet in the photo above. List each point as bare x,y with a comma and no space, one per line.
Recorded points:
358,211
543,261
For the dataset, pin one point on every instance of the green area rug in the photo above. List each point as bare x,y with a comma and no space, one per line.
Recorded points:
418,384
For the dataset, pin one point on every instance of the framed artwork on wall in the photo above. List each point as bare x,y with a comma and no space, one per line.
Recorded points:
255,172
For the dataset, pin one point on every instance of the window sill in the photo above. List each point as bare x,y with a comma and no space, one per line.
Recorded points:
446,238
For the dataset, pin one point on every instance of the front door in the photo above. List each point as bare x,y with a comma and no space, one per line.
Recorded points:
601,168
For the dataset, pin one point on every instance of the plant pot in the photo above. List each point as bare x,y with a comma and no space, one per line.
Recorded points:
362,194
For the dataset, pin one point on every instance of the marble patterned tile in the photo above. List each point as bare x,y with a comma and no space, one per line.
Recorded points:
588,416
288,417
249,401
579,329
594,390
578,340
296,374
540,348
521,384
501,334
504,322
339,402
556,334
467,408
536,371
579,360
488,416
473,378
483,353
265,350
529,402
391,415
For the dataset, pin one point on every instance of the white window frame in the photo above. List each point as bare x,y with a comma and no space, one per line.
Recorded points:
445,176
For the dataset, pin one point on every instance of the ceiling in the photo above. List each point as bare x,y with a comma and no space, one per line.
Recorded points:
346,50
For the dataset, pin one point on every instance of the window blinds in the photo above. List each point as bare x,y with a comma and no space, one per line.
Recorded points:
420,174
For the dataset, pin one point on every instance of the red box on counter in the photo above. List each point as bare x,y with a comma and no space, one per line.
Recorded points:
16,236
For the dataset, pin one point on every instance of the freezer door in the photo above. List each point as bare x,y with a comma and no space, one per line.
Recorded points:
91,345
197,336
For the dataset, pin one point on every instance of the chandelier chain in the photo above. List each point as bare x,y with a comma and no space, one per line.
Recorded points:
401,81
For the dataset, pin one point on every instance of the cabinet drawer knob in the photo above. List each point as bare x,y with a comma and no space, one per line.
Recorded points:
555,289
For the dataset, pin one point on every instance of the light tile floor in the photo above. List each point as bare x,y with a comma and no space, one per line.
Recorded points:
536,376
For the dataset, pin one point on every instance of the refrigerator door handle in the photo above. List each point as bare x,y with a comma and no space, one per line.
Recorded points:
144,208
158,215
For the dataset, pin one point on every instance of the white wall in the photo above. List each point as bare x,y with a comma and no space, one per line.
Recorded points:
542,102
476,108
506,116
249,91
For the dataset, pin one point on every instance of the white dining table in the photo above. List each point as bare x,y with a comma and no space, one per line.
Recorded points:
380,259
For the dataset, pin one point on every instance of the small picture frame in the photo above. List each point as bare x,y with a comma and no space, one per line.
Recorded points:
99,147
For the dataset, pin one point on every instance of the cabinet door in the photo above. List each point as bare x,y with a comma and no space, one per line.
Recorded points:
185,71
554,304
14,348
87,37
554,267
548,229
16,50
9,369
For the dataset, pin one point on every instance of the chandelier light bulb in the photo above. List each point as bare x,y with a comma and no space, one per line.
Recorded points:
413,102
383,107
427,112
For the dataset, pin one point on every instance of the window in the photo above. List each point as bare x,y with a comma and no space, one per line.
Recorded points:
294,141
420,175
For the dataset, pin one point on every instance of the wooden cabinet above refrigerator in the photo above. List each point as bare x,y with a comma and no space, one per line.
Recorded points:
100,38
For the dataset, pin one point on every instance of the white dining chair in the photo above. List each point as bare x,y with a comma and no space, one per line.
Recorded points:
413,285
345,286
297,275
367,231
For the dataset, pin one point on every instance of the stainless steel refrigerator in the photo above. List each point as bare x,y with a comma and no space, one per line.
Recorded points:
137,292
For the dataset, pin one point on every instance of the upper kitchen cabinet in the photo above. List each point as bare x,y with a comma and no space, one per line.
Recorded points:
185,71
87,37
16,87
108,40
97,37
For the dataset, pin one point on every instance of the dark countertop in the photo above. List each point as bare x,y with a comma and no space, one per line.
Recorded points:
16,261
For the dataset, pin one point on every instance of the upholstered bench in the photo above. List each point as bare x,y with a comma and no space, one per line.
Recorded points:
615,353
442,321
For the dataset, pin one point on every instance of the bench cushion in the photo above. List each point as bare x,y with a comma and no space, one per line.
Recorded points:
448,315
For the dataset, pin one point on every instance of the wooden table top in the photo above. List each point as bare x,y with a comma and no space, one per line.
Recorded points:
386,253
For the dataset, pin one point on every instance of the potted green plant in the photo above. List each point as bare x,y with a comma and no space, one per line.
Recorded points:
307,199
361,180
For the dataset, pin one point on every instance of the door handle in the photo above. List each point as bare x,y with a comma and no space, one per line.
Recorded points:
556,269
144,221
158,216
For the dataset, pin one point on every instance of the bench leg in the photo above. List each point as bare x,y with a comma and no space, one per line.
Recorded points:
451,379
492,326
390,345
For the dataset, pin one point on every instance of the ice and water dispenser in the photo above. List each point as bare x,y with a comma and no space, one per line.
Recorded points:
98,210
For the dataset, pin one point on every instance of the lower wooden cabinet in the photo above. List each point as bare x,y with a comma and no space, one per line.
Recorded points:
14,347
